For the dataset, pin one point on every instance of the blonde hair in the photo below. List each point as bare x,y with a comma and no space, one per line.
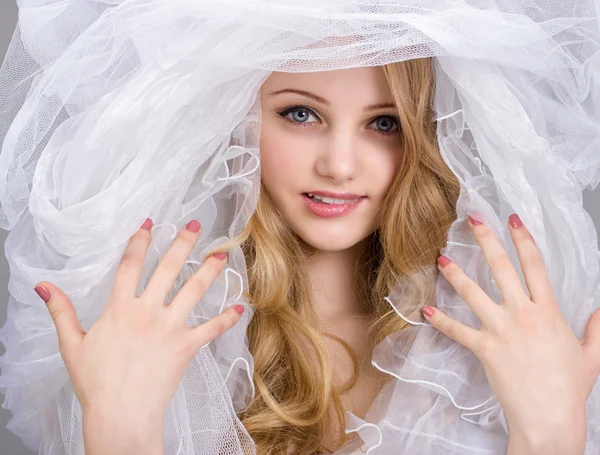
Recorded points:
294,386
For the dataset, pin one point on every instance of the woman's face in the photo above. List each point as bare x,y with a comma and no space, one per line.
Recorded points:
333,136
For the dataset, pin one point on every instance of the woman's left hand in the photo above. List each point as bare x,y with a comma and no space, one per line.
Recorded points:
539,371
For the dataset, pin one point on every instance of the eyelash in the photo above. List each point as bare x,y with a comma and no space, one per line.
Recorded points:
307,109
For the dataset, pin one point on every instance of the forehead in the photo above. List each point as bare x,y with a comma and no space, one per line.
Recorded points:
366,84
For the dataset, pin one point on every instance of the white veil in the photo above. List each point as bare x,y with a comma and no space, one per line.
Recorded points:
115,110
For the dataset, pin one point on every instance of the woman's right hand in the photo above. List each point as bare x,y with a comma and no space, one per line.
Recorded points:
133,358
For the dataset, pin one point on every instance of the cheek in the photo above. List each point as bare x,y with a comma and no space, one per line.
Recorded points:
384,167
282,158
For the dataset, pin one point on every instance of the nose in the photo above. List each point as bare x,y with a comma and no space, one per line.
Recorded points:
338,159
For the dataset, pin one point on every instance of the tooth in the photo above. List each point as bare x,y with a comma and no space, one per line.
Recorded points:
329,200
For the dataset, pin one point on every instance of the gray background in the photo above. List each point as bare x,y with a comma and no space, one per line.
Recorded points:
9,443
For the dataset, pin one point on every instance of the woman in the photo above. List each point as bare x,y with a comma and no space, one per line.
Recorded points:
318,264
369,169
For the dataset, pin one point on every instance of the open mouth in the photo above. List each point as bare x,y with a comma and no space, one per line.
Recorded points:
328,207
331,200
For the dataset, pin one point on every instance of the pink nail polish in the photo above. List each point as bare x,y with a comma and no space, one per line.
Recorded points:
193,226
43,293
428,311
220,255
515,221
147,224
443,261
239,309
474,221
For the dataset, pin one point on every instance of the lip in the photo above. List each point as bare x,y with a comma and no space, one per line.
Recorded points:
332,210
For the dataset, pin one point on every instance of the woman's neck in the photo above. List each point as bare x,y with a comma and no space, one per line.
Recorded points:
332,275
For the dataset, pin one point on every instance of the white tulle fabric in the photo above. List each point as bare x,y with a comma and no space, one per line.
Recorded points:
116,110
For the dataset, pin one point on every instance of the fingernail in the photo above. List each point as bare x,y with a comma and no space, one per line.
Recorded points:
515,221
474,221
239,309
220,255
428,311
443,261
43,293
147,224
193,226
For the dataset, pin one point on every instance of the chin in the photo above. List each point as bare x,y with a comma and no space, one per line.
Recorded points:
332,241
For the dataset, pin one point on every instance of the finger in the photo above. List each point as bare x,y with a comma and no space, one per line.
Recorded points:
205,333
168,269
591,340
62,312
195,287
532,263
482,305
457,331
130,269
502,269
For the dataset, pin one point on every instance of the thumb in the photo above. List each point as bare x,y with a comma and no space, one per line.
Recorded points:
591,339
62,313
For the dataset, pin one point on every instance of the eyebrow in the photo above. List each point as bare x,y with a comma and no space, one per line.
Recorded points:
321,100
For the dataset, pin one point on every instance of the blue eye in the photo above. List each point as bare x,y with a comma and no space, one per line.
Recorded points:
386,125
300,114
